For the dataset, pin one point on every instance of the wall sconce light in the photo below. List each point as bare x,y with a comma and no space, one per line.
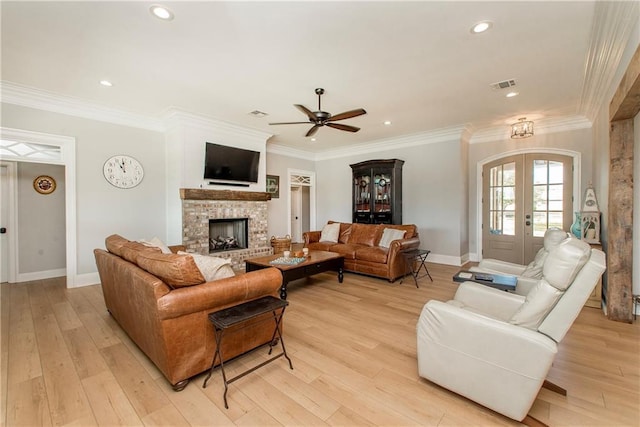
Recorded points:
522,129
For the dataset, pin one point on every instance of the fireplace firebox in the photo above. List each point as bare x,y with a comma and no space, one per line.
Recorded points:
226,234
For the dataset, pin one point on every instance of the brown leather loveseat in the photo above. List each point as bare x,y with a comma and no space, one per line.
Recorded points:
162,301
361,246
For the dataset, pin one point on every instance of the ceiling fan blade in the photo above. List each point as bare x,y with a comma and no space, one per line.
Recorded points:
305,110
342,127
347,115
290,123
313,130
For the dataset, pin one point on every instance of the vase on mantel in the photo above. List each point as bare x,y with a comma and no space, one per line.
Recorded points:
576,227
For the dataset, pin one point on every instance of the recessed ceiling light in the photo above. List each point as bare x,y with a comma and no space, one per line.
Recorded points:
106,83
161,12
387,122
313,140
481,27
512,94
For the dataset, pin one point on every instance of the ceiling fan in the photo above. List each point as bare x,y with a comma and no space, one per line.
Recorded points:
322,118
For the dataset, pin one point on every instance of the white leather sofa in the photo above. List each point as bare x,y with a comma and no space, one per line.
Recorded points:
528,275
495,347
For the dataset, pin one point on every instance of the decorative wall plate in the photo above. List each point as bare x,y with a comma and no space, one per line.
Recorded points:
44,184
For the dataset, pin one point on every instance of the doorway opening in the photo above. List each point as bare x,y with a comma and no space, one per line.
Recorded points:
301,210
18,145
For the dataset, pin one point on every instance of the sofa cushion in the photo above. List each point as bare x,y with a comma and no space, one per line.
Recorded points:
131,250
321,246
330,233
345,232
175,270
565,261
364,234
389,235
538,303
114,244
346,249
211,267
373,254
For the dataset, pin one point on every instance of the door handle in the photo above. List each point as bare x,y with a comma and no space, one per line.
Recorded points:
527,216
527,223
3,230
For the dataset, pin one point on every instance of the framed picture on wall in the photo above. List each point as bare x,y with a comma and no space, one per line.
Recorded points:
273,186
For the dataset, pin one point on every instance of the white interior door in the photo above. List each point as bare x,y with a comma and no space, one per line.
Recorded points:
296,214
4,223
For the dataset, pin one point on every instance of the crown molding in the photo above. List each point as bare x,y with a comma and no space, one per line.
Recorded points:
541,127
290,152
453,133
612,26
26,96
175,117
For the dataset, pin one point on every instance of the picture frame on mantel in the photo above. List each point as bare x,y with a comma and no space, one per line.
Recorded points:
273,186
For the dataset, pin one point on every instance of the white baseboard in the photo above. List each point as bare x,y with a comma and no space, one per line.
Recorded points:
84,280
41,275
445,259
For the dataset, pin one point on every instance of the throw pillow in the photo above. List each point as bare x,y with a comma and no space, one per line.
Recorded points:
157,243
389,235
212,268
330,233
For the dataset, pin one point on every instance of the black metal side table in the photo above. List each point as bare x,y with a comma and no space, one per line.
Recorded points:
413,257
228,317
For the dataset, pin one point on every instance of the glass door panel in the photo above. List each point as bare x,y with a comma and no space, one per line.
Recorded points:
362,193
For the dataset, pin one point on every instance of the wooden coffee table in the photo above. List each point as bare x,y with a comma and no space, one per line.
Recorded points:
316,262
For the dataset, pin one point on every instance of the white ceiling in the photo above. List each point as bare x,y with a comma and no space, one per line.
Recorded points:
414,63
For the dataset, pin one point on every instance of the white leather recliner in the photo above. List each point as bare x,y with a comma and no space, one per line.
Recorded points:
496,347
528,275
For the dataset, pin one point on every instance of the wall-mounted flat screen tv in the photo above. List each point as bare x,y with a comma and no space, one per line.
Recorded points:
230,163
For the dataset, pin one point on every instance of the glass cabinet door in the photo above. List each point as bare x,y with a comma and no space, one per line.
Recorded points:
362,192
383,188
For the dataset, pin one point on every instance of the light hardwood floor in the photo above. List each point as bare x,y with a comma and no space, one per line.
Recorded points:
353,345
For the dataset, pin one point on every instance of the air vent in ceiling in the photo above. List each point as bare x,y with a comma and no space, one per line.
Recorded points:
503,84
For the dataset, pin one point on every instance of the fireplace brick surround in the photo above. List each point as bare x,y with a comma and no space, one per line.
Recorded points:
199,206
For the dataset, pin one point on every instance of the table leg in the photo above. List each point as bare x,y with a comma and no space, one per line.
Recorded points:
283,289
340,275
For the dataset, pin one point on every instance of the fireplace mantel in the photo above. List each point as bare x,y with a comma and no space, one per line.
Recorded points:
201,194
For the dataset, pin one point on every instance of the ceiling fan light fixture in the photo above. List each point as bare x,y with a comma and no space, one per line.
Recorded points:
522,129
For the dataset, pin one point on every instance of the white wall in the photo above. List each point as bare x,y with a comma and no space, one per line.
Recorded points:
102,209
580,140
432,184
278,164
41,222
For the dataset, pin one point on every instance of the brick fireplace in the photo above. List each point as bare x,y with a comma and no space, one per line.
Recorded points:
199,206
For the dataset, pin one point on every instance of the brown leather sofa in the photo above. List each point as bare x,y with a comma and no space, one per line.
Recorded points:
362,254
163,307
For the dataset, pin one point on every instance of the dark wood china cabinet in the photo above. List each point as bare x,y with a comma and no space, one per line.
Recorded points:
377,191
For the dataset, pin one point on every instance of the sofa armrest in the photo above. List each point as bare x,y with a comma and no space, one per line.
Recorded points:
311,237
494,302
400,245
220,294
504,267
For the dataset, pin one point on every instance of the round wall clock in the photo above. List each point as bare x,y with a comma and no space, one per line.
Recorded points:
44,184
123,171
